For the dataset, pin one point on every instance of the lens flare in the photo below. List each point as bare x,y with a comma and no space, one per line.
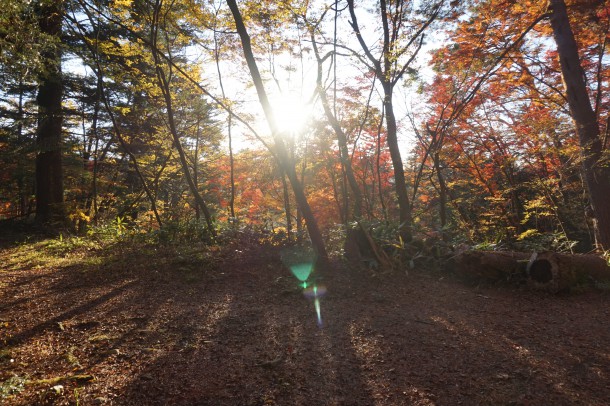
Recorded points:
316,292
301,271
318,311
301,262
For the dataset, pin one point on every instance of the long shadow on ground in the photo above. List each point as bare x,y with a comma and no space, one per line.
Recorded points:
234,328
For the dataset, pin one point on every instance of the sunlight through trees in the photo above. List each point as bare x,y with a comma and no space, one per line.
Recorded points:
478,122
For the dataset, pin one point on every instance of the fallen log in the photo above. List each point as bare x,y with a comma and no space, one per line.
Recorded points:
555,272
549,271
488,266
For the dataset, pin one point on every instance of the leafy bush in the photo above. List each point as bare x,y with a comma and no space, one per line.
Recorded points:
250,235
532,240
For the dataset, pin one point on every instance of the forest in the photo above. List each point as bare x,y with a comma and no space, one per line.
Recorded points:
270,202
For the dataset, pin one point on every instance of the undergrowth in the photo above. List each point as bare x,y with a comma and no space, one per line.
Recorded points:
12,386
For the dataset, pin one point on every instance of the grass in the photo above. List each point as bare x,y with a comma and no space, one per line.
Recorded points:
71,358
12,386
5,354
101,337
78,378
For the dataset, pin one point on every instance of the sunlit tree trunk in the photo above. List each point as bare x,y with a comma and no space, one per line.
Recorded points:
280,147
49,171
596,171
287,209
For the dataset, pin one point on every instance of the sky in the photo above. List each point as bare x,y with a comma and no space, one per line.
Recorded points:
292,85
291,89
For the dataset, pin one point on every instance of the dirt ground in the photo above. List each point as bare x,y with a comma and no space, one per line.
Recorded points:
165,326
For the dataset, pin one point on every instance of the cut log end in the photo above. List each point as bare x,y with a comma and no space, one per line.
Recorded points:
541,271
557,272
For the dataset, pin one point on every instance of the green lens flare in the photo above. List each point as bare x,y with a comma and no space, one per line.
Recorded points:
301,271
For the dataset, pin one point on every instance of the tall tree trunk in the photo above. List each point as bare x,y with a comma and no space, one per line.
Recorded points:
596,172
91,208
196,167
341,136
21,177
49,171
287,209
164,85
400,183
384,211
388,74
229,132
232,168
442,192
280,147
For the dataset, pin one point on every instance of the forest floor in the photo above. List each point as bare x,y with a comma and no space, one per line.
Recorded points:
143,325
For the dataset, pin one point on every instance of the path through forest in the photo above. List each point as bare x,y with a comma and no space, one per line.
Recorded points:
165,326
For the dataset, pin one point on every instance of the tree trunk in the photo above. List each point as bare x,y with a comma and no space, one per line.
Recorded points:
229,133
400,184
341,136
287,209
21,177
442,190
231,168
196,167
596,172
284,160
380,185
164,85
49,171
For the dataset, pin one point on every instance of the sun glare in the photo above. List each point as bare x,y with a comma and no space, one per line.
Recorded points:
291,114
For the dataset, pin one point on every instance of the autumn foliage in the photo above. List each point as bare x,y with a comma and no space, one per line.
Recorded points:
465,100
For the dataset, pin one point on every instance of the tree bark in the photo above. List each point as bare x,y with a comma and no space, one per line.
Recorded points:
596,172
49,170
400,182
287,210
442,192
